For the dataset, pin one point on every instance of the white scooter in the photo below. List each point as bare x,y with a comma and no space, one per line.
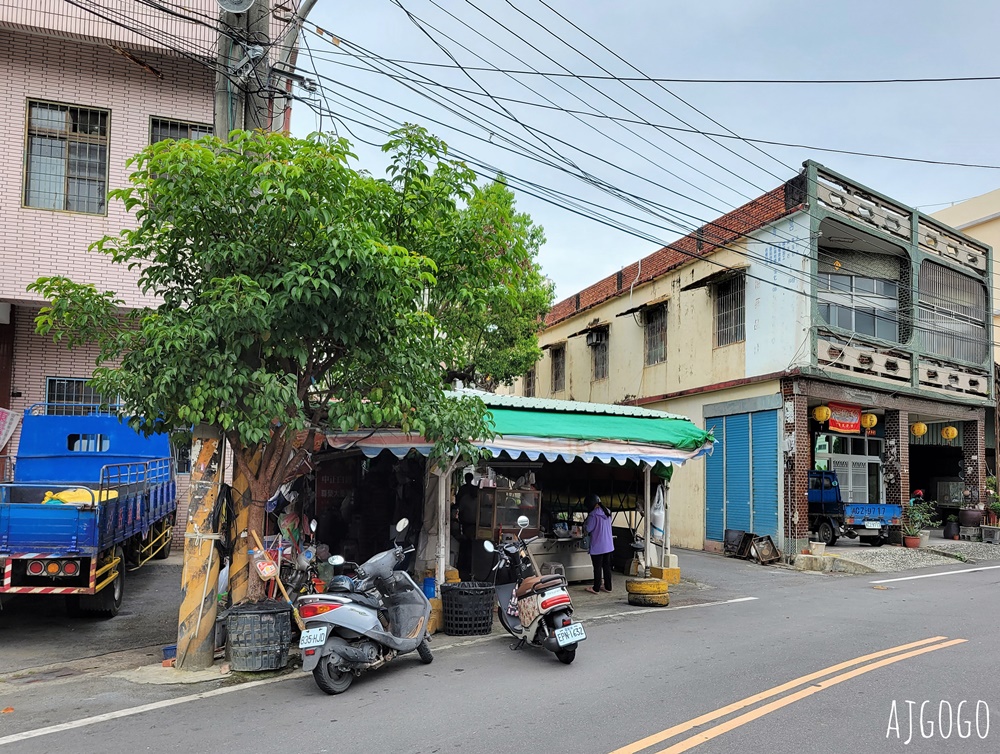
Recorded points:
383,615
534,609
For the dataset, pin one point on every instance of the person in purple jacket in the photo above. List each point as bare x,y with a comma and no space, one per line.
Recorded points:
601,544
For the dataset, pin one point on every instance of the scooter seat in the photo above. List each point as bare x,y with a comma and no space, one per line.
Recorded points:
540,584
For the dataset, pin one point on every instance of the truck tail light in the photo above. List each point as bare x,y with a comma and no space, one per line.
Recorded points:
36,568
71,568
52,568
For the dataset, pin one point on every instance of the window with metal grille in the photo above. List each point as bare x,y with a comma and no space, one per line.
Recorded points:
66,165
529,383
868,306
558,369
730,295
599,355
70,396
655,334
161,129
951,314
182,453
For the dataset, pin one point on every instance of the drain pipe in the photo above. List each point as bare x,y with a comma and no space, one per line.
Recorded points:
647,473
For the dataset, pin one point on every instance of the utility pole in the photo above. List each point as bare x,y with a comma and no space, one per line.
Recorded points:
244,99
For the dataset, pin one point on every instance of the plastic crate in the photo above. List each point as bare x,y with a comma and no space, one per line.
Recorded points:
468,608
259,635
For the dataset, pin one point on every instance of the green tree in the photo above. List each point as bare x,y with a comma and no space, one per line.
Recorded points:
295,293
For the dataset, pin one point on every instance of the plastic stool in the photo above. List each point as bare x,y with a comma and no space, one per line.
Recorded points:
551,567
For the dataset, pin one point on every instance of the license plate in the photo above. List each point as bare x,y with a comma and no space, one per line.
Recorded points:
570,634
313,637
873,525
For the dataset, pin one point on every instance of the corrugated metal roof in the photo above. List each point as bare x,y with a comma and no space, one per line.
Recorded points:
575,407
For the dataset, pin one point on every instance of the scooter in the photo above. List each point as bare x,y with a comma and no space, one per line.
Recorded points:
381,614
536,610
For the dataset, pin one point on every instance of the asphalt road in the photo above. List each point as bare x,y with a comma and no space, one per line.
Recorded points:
815,663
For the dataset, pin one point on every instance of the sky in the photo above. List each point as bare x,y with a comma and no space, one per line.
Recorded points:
661,183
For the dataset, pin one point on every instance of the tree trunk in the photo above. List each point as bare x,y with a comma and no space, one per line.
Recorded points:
255,524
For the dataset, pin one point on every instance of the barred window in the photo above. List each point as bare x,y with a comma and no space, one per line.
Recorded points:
529,383
655,334
598,342
161,129
730,295
66,165
558,369
70,396
951,314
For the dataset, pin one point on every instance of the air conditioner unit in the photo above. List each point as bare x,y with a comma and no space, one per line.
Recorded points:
596,337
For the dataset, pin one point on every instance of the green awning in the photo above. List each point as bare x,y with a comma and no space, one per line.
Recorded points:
676,433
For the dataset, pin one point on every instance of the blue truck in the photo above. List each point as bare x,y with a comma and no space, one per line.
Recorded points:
87,495
831,518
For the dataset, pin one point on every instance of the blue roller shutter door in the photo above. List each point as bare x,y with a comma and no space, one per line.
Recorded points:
738,472
741,477
764,434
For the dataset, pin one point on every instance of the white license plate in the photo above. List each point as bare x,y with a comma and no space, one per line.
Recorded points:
873,525
313,637
570,634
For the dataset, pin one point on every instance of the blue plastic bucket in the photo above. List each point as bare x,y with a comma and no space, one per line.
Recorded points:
430,588
170,652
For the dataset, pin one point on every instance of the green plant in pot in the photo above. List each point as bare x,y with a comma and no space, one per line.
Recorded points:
920,515
951,528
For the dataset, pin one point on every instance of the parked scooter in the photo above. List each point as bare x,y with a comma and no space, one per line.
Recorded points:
365,621
535,609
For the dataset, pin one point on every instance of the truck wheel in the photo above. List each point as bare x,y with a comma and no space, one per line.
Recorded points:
876,541
109,599
165,552
827,533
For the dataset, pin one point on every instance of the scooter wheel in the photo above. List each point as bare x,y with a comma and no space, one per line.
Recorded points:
566,656
424,651
646,586
331,680
649,600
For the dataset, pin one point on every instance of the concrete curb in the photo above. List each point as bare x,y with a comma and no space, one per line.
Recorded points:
828,563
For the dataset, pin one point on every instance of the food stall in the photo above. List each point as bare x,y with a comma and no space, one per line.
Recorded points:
545,457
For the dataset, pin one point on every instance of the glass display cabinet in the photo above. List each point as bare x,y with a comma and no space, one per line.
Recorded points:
500,508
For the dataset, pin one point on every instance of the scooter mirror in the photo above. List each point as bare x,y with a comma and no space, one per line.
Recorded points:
488,546
401,525
522,522
312,526
336,560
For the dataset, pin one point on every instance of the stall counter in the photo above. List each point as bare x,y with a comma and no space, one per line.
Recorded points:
571,552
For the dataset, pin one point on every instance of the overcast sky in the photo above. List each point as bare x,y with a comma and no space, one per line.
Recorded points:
680,179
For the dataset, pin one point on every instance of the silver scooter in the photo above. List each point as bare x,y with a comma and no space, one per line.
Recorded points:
382,615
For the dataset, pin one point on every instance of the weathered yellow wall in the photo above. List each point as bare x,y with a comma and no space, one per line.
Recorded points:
691,362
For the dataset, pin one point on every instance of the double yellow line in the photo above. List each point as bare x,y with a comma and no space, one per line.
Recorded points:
867,664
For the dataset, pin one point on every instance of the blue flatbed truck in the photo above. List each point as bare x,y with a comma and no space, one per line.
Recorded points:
831,518
88,494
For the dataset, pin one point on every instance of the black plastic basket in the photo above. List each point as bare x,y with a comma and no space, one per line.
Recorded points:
468,608
259,635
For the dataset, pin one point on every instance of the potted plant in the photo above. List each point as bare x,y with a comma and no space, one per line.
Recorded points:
920,516
951,529
970,513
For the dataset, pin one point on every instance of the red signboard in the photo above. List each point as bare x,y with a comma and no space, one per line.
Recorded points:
844,417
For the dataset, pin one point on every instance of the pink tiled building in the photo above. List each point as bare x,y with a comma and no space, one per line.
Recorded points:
81,96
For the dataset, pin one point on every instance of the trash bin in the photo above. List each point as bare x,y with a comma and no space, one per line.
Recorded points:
468,608
259,634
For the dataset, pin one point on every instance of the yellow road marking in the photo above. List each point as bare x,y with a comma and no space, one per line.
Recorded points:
736,722
708,717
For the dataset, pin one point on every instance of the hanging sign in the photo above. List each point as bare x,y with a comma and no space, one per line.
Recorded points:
844,417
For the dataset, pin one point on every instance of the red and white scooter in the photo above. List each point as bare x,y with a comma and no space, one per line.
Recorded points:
537,610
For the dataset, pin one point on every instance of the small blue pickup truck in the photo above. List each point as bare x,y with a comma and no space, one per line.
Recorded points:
88,495
830,517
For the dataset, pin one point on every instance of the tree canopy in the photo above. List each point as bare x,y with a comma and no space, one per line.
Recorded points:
297,293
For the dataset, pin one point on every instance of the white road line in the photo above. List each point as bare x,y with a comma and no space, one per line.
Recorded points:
117,714
932,575
85,721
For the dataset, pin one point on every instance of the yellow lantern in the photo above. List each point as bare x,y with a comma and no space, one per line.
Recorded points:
821,413
868,420
918,429
949,432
